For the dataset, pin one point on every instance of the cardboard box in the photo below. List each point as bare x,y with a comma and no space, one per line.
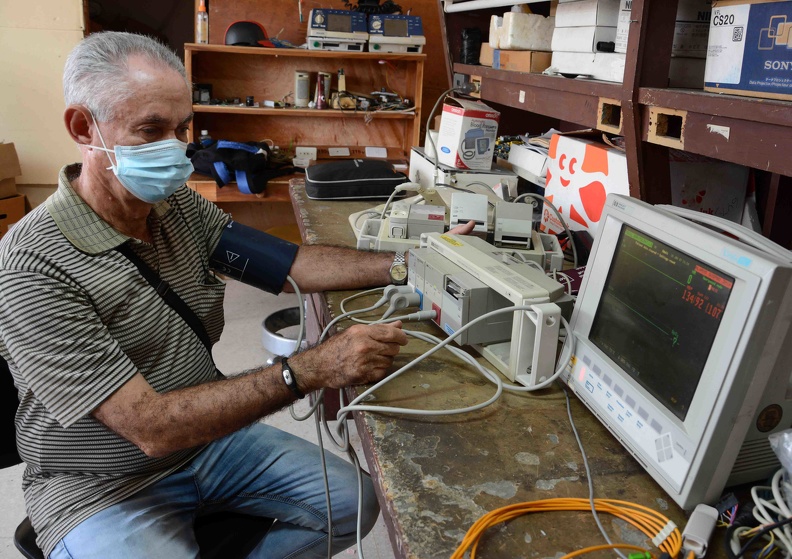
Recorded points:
9,170
581,39
467,134
690,31
518,31
11,210
707,185
750,48
581,172
588,12
486,55
530,61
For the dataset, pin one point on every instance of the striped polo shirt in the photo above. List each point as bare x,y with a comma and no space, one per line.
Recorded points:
77,321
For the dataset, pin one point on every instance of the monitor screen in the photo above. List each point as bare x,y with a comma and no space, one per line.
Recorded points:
395,28
658,316
341,23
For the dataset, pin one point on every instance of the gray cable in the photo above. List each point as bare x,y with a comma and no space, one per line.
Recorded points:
558,215
588,473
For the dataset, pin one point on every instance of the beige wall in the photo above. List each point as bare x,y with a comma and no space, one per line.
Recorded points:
35,38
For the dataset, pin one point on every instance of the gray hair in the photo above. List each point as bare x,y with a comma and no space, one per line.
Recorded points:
96,71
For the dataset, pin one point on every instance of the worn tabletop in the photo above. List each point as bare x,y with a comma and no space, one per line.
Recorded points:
436,475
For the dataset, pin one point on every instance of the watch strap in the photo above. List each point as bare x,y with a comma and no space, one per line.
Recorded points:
288,377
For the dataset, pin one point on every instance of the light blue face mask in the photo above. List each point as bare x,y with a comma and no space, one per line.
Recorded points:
151,172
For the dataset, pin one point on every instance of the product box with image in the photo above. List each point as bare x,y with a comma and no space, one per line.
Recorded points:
750,48
581,172
9,170
468,130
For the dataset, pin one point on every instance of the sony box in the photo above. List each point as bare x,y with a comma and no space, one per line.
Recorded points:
750,48
581,172
468,130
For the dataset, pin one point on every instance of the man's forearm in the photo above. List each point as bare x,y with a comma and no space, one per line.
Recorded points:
326,268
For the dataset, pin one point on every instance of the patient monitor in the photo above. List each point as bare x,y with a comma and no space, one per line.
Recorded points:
683,346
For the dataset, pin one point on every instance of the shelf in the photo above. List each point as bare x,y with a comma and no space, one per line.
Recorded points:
295,112
277,191
571,100
303,53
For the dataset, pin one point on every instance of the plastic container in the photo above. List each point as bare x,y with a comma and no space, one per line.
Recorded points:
202,24
205,139
517,31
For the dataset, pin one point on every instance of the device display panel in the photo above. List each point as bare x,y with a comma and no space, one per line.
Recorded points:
658,316
395,28
339,23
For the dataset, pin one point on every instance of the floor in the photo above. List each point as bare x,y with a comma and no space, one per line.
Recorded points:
239,349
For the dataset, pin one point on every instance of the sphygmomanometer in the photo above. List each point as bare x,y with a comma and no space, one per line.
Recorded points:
253,257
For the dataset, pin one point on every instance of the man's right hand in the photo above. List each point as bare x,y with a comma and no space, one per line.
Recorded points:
361,354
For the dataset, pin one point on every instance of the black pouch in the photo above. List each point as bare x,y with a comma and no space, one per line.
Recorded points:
351,179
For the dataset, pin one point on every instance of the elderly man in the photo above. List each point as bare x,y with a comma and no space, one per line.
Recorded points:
126,428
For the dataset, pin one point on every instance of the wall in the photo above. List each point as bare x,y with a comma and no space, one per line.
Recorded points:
35,38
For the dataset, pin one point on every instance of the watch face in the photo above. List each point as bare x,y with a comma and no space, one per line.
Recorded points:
398,272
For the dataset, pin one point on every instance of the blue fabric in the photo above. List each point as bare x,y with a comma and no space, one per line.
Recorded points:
242,182
222,172
237,145
258,470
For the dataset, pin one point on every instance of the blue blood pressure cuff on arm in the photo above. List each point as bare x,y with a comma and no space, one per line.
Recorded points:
253,257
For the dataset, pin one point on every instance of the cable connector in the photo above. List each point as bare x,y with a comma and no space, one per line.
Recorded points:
402,301
392,290
699,529
420,315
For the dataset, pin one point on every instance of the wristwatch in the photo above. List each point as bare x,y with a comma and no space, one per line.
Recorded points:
398,270
288,377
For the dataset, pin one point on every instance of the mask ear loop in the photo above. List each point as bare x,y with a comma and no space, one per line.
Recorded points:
104,148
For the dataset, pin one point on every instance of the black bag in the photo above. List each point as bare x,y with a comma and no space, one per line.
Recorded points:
250,164
9,402
351,179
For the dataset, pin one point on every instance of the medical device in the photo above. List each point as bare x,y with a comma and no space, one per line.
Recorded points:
338,30
462,277
395,33
683,346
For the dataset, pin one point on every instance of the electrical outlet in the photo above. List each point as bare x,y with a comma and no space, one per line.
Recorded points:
305,153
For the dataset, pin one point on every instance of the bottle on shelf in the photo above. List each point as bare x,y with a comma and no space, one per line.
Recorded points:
205,139
202,24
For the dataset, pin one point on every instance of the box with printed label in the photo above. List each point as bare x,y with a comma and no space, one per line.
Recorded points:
468,130
9,170
690,30
530,61
581,172
587,12
582,39
750,48
11,210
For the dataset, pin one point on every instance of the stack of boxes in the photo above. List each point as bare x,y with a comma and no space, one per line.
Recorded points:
12,204
689,50
518,42
584,40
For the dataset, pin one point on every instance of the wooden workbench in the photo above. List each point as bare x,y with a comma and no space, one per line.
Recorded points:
435,476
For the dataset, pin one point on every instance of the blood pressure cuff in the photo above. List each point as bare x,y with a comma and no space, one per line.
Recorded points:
253,257
250,164
351,179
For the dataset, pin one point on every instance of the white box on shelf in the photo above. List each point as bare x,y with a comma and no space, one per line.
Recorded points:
605,66
518,31
531,158
588,12
581,39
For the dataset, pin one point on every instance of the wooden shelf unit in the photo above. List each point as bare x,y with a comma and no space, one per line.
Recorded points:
749,131
268,74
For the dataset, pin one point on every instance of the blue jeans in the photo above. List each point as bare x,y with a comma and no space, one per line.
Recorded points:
259,470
